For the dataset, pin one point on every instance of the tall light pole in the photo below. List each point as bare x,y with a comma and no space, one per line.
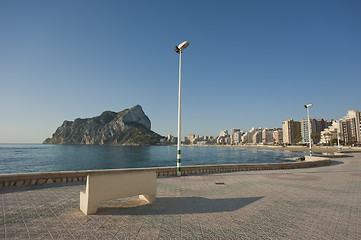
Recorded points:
179,49
309,126
338,137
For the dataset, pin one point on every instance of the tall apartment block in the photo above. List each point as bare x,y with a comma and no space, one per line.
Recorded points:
305,129
316,127
291,131
278,136
267,136
351,127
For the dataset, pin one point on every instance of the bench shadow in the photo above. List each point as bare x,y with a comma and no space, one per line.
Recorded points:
181,205
40,187
335,162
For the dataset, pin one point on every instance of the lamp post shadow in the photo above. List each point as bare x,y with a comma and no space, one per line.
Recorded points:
179,205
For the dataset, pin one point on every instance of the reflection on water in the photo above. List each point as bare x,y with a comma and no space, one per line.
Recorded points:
16,158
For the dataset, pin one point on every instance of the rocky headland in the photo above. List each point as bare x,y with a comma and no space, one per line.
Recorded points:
128,127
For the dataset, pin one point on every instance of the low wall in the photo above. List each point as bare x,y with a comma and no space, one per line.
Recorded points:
28,179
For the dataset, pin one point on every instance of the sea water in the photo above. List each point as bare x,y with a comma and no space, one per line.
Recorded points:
22,158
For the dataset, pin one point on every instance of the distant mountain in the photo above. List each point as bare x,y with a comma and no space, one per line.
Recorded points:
128,127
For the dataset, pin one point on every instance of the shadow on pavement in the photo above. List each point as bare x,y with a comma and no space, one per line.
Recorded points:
334,162
41,187
181,205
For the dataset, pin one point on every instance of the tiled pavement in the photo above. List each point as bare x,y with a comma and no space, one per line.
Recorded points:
314,203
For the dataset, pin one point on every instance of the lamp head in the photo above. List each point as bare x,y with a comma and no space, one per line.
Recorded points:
176,49
308,105
183,45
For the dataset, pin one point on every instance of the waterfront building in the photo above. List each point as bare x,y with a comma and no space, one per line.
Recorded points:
354,116
291,131
223,140
171,139
223,137
328,123
257,137
234,130
223,133
267,136
305,130
185,140
236,136
249,138
245,137
346,134
321,125
202,142
191,137
330,133
211,140
349,129
278,136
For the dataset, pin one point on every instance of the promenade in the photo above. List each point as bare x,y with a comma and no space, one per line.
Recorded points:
307,203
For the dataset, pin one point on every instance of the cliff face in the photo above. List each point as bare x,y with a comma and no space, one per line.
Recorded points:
128,127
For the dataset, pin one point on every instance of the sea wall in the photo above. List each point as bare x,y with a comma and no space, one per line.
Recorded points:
32,179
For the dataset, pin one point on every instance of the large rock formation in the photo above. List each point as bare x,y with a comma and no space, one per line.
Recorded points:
128,127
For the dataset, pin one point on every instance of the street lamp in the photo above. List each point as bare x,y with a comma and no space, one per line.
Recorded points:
179,49
338,137
309,125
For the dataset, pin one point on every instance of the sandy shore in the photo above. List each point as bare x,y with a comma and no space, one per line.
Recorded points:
303,149
315,149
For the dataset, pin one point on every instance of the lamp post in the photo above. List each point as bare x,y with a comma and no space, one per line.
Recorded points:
309,126
179,49
338,137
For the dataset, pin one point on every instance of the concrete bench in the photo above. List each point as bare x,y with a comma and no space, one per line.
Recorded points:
102,187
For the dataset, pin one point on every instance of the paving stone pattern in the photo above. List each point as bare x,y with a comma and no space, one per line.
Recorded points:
313,203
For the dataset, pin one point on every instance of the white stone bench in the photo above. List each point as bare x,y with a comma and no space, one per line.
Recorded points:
102,187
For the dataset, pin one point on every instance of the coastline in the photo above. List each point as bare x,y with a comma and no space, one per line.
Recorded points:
301,149
305,149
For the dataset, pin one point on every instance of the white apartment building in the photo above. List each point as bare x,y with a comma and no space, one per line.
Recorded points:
245,137
249,136
278,136
349,129
267,136
223,133
329,133
257,137
224,140
236,137
354,117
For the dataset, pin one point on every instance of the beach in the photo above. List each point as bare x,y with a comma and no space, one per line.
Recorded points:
304,149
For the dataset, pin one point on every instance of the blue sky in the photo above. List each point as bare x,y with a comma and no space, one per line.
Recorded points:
249,64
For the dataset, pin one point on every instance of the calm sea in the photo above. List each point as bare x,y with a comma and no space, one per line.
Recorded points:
20,158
